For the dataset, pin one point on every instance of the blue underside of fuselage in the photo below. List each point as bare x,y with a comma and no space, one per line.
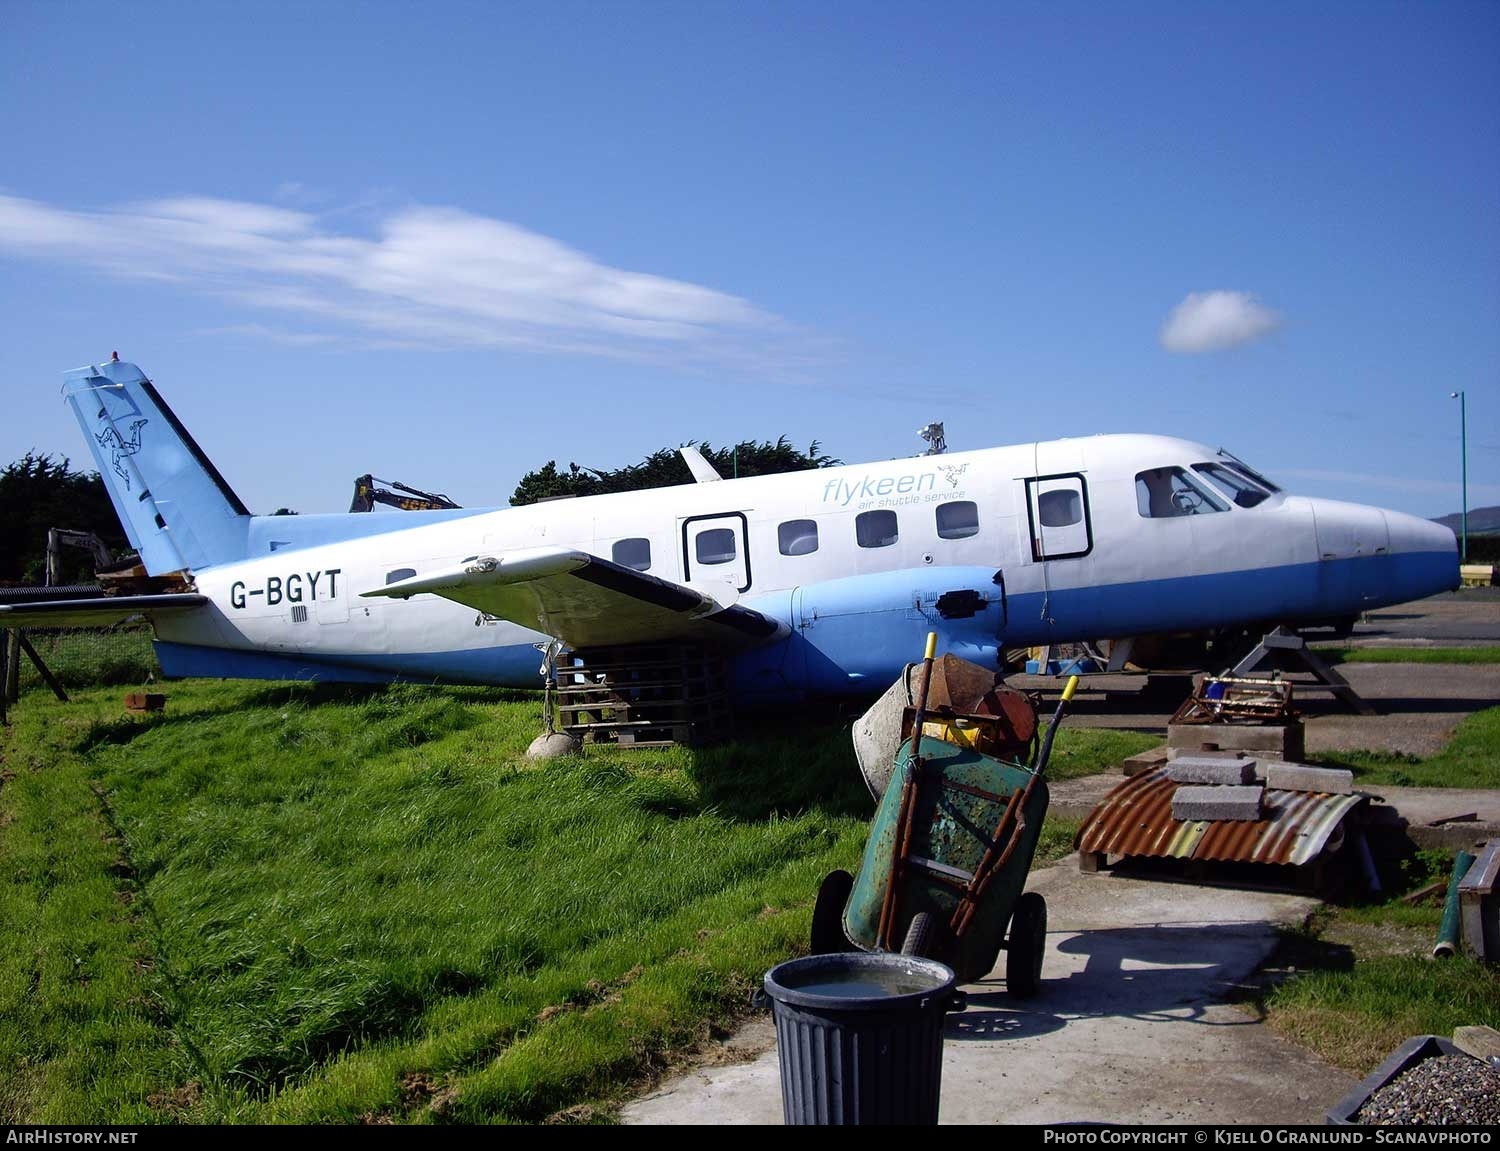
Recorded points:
860,647
517,666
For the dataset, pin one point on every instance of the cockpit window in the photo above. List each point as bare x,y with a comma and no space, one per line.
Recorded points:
1239,465
1163,493
1242,491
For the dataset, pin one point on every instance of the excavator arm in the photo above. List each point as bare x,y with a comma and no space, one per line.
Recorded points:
367,494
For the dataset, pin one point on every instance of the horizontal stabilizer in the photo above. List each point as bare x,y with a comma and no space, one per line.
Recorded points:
703,471
586,601
102,611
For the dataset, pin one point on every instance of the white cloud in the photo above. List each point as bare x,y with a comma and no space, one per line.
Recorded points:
426,276
1212,321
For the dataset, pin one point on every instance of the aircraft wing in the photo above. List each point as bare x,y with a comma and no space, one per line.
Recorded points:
586,601
101,611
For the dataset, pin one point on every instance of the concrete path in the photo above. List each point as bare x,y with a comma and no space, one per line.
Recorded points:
1458,619
1132,1024
1419,705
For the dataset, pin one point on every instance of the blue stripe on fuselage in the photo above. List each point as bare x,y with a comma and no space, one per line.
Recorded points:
515,666
1294,593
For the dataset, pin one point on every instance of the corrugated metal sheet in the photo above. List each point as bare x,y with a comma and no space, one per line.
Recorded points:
1136,819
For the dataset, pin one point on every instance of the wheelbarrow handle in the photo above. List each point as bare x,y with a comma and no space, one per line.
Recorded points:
911,778
1062,705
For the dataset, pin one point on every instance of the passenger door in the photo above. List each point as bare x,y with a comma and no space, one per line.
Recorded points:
1057,510
716,548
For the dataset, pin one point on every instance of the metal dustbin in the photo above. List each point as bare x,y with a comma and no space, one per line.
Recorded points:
860,1036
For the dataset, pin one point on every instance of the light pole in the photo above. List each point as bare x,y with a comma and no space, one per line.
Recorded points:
1463,451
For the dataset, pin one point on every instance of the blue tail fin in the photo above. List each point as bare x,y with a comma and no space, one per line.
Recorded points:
176,508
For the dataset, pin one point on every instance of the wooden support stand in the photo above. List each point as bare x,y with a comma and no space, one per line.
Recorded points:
11,688
13,644
650,695
4,674
42,669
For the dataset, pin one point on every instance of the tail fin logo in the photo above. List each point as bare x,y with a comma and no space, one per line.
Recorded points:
953,472
118,448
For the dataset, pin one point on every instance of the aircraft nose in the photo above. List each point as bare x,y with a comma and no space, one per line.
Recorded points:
1414,534
1425,554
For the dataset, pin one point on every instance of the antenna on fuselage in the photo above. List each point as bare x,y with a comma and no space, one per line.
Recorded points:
937,443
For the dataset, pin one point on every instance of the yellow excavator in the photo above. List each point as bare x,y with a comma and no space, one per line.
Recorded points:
408,499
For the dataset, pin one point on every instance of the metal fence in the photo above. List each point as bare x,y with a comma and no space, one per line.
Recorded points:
83,657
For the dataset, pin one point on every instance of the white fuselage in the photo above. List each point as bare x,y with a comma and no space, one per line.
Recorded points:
1061,540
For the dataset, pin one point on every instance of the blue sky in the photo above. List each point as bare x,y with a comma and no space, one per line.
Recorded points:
447,242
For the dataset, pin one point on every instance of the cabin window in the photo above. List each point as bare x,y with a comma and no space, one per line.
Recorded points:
797,537
1242,491
1059,508
632,553
396,575
958,520
716,546
876,529
1164,493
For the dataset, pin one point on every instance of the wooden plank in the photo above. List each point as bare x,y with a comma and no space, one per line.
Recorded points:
1090,862
1484,871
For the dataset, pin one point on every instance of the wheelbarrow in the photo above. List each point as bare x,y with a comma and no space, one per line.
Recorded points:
947,857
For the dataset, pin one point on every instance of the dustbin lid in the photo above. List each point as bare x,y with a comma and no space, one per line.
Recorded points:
861,981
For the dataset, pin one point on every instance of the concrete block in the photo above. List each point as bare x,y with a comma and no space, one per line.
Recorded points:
1274,741
1205,751
1233,803
1210,769
1300,777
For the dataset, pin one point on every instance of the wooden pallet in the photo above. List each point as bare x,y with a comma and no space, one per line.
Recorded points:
645,695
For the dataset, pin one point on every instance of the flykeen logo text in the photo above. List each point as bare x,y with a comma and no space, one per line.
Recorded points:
845,492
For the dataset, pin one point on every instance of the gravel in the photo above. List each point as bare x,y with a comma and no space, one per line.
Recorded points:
1445,1089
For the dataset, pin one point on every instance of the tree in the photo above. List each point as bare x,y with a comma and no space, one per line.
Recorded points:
666,468
37,493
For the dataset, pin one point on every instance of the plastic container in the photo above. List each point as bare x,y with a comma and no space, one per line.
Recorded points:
860,1037
1416,1049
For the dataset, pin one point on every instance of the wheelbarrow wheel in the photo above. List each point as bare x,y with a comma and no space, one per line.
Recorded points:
920,936
828,914
1028,939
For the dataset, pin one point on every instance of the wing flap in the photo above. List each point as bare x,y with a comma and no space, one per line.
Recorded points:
101,611
586,601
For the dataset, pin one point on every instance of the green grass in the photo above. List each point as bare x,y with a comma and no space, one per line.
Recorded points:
1470,759
287,903
1358,981
1056,840
1081,751
1410,654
